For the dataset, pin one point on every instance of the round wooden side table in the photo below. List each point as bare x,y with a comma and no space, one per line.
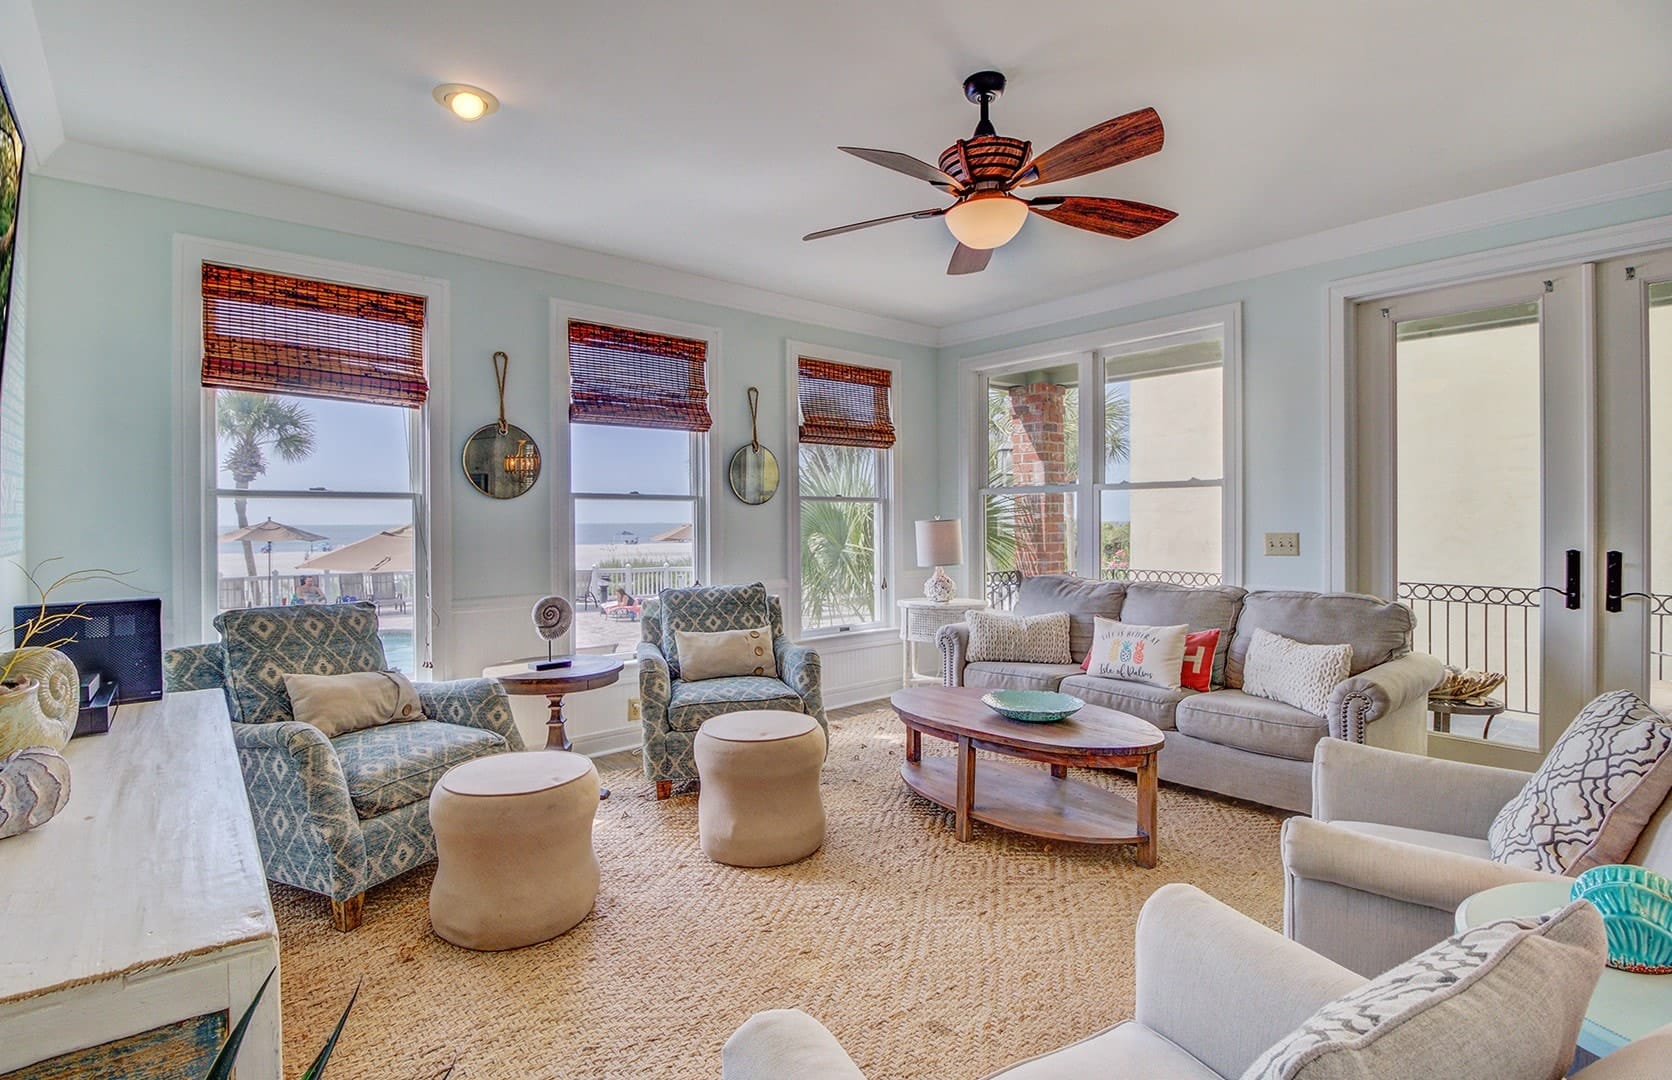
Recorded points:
583,673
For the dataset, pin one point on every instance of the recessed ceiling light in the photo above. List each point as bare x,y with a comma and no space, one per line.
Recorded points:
466,102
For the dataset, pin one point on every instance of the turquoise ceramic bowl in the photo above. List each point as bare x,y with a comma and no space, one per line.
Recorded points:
1636,906
1032,706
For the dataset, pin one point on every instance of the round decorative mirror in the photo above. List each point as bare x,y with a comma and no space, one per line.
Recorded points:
502,462
754,468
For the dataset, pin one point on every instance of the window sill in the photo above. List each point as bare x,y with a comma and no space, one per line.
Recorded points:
858,639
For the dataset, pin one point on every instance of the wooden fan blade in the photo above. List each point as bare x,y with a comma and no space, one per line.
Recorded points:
968,260
1111,217
905,163
874,221
1113,142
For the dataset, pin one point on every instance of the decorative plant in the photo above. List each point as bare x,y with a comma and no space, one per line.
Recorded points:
248,425
227,1057
48,630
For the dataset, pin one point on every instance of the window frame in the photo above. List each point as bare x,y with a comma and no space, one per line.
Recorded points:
889,522
1089,352
196,456
564,573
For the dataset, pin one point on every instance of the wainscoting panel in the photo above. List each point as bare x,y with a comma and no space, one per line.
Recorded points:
852,676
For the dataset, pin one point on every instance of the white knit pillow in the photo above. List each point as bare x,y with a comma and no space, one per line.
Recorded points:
1301,675
1029,639
1594,792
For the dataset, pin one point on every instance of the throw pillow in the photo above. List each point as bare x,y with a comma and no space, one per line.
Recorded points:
338,704
1594,793
1027,639
1502,1001
1294,673
707,608
725,653
1199,649
1146,654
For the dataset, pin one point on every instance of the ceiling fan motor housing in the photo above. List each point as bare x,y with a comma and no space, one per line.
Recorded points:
985,161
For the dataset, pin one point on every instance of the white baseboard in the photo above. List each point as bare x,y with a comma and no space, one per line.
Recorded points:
609,741
860,693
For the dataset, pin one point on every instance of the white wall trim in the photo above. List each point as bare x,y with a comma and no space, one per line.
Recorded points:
29,81
861,693
1343,295
790,474
1568,191
166,179
193,441
609,741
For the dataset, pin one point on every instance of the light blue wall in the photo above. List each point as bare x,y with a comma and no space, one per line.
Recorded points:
1285,378
101,401
14,587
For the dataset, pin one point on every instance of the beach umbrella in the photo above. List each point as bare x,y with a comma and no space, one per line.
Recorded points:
679,534
390,551
270,532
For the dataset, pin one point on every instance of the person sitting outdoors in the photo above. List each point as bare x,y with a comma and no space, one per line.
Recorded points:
309,592
623,606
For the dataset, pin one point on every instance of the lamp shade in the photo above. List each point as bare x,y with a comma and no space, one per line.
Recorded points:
940,542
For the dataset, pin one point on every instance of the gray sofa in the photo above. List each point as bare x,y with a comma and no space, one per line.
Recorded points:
1225,740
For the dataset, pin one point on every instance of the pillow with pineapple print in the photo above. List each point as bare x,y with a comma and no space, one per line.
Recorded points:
1587,804
707,609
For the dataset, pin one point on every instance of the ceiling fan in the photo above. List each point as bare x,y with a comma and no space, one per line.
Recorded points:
981,172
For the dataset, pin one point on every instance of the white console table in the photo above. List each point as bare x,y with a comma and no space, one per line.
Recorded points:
920,621
143,903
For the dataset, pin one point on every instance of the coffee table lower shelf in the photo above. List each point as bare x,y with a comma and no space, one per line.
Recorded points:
1030,800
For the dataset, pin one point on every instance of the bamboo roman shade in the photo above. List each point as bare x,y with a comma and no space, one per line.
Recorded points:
844,404
275,334
634,378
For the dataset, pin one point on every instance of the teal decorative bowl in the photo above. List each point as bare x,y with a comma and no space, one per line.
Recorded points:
1636,906
1032,706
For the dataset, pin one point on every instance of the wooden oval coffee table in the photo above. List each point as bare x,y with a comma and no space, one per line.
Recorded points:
1026,800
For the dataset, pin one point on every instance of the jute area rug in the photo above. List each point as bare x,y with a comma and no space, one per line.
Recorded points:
926,957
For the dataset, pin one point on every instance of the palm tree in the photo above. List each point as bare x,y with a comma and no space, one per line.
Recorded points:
838,539
249,425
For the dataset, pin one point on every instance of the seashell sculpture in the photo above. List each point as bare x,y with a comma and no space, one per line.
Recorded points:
41,710
1466,684
553,616
1636,906
34,786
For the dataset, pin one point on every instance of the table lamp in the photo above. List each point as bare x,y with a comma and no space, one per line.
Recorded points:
940,542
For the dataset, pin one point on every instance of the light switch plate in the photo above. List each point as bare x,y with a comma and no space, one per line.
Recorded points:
1283,543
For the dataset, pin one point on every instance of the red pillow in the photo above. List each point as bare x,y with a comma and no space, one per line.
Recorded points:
1199,648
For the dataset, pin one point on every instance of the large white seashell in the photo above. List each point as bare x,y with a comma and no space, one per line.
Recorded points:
34,786
553,616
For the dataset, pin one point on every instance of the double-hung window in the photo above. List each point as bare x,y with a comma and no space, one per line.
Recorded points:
843,495
316,391
638,411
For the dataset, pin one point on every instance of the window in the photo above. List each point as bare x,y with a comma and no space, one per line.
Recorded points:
1127,482
315,394
842,494
638,410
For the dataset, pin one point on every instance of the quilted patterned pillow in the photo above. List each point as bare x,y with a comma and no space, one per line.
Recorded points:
1600,784
1296,674
1026,639
1503,1001
707,609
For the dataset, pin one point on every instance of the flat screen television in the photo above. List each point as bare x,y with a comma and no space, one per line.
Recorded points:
119,640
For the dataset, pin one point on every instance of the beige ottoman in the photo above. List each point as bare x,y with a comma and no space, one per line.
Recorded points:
513,837
759,801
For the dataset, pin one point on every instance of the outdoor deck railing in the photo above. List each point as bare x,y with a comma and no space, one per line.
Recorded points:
595,585
1003,586
387,589
1486,627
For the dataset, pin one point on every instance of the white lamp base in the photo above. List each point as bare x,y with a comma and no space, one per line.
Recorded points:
939,587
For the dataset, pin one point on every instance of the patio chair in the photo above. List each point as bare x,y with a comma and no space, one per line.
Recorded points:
336,816
673,709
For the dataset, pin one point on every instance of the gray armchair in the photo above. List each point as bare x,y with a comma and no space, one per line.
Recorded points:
672,709
336,816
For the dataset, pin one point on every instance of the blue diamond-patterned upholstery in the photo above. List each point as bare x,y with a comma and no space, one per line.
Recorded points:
707,609
336,817
673,710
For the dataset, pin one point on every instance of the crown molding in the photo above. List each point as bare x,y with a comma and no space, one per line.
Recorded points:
142,174
29,82
1568,191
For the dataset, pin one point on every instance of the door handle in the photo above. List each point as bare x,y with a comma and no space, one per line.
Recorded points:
1570,586
1611,586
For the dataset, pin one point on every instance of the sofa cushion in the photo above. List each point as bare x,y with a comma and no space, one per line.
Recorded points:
1295,673
1213,607
262,645
1147,654
1152,703
1015,675
1595,791
707,608
1438,841
1127,1049
1377,630
396,765
1083,598
1233,718
1033,639
690,703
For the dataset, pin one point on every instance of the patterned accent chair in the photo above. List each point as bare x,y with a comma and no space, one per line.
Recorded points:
336,816
673,709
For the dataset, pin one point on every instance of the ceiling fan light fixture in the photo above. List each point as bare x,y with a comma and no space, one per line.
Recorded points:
987,219
464,101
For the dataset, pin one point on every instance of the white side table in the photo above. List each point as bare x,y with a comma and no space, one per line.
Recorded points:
1624,1006
920,621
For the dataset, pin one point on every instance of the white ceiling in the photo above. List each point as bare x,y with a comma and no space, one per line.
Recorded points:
701,136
